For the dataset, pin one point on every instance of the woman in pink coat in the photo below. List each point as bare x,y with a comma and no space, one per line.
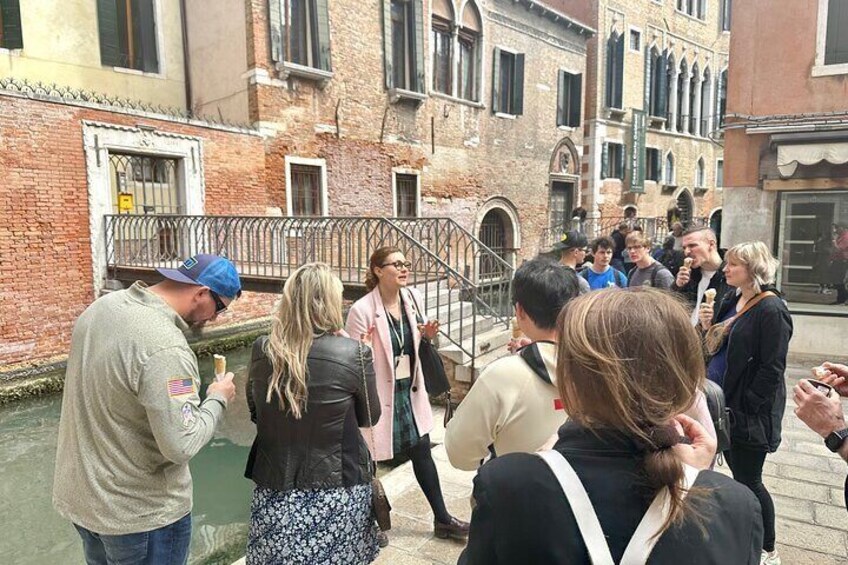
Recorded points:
389,316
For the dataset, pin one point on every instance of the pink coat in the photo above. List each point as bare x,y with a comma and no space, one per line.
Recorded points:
366,312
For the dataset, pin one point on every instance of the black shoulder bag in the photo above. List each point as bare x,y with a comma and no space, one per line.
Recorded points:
435,378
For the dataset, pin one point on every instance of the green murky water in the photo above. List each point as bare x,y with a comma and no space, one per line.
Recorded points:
33,533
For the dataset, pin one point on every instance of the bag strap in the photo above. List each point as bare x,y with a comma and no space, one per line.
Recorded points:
644,538
751,303
367,399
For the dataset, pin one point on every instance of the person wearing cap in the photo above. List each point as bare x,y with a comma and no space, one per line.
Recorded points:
132,417
572,252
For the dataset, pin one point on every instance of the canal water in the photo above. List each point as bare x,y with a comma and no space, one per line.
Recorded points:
33,533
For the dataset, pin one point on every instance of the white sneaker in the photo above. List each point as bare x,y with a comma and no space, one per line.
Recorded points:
770,558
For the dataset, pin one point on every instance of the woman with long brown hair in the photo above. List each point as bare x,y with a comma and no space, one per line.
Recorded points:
628,365
391,316
310,389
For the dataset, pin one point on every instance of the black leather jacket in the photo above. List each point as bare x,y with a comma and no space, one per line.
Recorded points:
718,282
754,385
324,449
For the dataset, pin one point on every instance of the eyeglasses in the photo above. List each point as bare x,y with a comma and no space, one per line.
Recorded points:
219,304
399,265
635,247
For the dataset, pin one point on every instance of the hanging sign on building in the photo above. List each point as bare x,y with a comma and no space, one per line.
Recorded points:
125,202
637,151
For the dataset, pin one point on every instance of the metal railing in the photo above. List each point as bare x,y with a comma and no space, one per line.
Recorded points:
657,229
462,280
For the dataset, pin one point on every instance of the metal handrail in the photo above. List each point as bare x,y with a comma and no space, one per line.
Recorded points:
656,228
446,258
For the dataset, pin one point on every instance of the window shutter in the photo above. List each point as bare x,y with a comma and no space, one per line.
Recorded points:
477,85
610,74
275,23
496,81
622,161
518,85
12,33
662,85
562,96
649,78
322,13
604,160
418,19
717,115
107,26
660,173
619,72
575,101
147,21
388,67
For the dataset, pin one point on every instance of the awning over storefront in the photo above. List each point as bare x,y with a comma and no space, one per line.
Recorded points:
790,156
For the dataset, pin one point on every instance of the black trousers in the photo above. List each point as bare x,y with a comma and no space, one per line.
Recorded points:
428,477
747,467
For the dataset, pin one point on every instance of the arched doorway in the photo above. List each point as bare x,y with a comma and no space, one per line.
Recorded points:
715,225
493,234
686,207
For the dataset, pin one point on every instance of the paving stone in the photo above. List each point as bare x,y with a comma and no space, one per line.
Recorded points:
796,556
797,489
837,497
793,508
442,551
816,462
395,556
806,536
831,516
408,533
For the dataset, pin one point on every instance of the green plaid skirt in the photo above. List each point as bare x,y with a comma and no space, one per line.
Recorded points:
405,433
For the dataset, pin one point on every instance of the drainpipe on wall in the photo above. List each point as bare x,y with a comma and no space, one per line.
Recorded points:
186,58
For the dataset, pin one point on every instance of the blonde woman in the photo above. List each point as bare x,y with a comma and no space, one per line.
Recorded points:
750,349
308,396
624,398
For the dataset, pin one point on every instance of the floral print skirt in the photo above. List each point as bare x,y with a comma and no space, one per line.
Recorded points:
312,526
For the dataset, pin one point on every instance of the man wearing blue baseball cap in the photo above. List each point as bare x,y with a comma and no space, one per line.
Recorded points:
132,417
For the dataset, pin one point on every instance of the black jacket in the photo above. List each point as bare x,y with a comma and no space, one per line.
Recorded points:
522,515
718,282
754,386
324,449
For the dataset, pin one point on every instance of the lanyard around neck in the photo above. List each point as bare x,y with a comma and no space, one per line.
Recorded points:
400,336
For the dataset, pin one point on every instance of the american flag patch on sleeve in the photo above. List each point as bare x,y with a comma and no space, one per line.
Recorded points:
180,387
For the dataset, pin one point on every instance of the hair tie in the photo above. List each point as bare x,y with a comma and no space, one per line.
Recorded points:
659,438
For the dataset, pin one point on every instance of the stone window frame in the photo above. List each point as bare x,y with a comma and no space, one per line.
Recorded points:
669,174
700,10
311,162
410,172
517,103
565,115
638,31
719,160
819,68
700,173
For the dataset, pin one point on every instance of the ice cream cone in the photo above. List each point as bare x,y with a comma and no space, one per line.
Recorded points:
687,263
220,366
709,296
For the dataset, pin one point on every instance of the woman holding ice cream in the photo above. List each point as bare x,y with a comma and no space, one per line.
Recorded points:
748,337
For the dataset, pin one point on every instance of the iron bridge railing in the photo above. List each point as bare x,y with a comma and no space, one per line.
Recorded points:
463,282
657,229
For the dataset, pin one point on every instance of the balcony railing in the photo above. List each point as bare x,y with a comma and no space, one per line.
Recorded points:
449,265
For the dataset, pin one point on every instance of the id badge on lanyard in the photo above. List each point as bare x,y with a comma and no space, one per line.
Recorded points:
403,367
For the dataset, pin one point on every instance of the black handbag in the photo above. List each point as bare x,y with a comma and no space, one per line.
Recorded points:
435,378
719,413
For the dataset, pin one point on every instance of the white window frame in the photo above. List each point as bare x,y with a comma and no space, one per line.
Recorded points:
322,163
700,173
820,69
405,171
159,28
514,53
666,180
630,30
719,160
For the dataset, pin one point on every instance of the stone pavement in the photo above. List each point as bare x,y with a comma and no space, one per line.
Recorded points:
804,478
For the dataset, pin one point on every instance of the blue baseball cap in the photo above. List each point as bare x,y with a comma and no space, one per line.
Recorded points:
212,271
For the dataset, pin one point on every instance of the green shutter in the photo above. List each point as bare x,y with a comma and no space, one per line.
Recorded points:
518,86
322,13
604,160
662,85
388,67
107,26
608,91
660,164
419,85
575,101
648,80
275,24
146,26
562,95
12,37
622,161
619,73
496,81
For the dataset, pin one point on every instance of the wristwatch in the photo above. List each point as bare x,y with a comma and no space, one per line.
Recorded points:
834,440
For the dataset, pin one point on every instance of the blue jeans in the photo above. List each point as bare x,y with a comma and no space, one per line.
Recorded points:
167,545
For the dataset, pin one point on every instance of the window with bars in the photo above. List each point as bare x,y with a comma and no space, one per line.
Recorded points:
11,36
406,195
508,83
306,192
151,181
127,30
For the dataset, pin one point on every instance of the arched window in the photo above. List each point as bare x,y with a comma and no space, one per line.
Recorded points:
615,71
669,169
441,41
470,32
682,102
700,174
706,92
657,84
693,92
670,87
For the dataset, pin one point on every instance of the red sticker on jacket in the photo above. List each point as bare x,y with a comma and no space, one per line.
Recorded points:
558,404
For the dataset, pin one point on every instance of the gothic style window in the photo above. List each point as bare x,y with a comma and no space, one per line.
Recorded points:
615,71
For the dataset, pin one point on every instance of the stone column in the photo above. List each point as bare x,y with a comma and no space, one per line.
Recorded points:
696,111
685,116
672,100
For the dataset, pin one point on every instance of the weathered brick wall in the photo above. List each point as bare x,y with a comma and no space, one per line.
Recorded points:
45,238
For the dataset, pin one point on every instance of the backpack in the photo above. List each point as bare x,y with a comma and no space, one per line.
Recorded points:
719,413
655,269
620,278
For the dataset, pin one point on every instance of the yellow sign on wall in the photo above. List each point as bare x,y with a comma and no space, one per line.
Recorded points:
125,202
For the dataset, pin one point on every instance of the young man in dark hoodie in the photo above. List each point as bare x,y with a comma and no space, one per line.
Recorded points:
702,269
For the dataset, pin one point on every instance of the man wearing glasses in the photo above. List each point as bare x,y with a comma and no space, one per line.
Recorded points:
132,417
647,270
